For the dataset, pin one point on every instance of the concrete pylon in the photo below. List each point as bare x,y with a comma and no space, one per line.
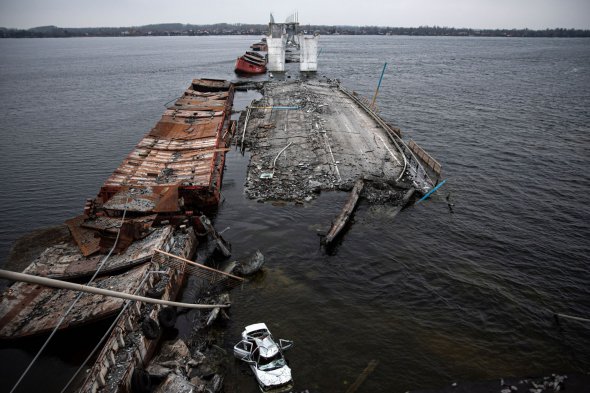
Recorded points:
308,55
276,53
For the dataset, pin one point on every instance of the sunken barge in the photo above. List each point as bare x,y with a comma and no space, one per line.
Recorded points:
136,237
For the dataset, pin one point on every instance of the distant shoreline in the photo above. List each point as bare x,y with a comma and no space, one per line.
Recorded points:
177,29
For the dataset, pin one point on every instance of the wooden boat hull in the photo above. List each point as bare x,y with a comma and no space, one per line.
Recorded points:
127,348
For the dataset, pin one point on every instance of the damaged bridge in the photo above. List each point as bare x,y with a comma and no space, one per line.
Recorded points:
308,136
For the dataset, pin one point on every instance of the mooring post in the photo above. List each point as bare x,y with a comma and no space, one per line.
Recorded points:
378,86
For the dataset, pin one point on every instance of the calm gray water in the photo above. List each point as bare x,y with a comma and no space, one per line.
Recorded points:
434,297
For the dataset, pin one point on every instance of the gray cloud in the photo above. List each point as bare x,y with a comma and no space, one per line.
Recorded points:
534,14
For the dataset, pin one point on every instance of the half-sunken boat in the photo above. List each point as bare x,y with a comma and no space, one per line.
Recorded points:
251,63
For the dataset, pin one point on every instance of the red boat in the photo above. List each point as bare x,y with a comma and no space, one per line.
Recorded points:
251,63
259,47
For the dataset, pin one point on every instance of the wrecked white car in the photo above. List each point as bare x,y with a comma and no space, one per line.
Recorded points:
265,357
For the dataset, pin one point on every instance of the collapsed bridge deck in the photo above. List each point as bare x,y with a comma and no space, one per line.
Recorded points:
307,136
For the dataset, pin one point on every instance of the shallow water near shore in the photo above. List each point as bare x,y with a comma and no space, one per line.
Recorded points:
434,297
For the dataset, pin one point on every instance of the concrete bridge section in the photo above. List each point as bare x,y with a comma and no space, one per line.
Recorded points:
307,136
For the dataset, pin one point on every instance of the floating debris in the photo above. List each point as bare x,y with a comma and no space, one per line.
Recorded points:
251,265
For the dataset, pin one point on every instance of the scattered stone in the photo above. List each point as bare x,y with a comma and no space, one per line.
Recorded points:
175,384
223,299
197,381
174,351
174,365
216,383
158,371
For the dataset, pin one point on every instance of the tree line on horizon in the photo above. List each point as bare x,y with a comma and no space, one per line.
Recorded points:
178,29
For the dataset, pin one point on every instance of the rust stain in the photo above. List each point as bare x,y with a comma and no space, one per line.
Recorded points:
183,151
84,238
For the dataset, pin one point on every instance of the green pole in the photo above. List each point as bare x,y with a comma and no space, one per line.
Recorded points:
378,85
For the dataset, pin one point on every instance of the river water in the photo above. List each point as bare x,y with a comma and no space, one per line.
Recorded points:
433,296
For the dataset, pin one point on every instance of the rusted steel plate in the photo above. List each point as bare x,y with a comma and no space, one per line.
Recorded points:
168,200
206,96
173,130
191,102
65,261
161,168
149,143
112,224
84,238
209,85
119,374
185,114
28,309
181,157
137,199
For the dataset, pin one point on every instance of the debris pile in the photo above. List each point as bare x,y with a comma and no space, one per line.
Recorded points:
554,383
178,370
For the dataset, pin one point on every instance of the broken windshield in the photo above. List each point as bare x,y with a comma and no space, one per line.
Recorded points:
271,363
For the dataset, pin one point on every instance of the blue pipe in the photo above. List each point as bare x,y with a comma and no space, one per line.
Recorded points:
431,191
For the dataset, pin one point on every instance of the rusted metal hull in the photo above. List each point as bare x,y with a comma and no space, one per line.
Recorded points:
128,348
173,168
65,261
172,175
29,309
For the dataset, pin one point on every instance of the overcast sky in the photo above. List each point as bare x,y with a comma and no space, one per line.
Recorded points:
534,14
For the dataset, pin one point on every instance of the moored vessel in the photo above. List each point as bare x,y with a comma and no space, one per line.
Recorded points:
251,63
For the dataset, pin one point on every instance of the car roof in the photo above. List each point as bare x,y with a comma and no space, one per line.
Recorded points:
267,347
254,327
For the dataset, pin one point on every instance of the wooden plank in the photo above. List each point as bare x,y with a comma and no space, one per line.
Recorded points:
425,157
361,378
347,210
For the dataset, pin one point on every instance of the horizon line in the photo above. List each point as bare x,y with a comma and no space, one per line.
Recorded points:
300,24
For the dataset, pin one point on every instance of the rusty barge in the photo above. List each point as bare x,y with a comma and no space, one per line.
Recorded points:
134,237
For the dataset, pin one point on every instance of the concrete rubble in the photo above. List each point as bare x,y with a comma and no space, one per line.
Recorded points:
182,371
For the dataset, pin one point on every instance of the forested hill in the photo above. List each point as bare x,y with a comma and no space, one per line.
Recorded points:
169,29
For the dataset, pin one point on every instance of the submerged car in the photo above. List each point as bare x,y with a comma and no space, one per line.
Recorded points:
265,357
